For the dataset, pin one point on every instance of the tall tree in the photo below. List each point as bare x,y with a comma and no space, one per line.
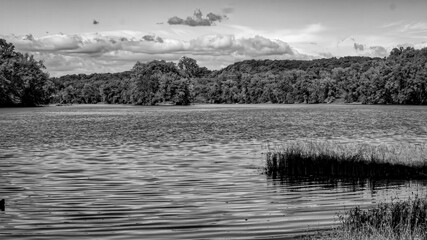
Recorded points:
22,80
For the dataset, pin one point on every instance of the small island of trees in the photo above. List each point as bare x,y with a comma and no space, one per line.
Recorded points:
401,78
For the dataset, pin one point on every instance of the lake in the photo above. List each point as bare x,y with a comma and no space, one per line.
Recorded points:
195,172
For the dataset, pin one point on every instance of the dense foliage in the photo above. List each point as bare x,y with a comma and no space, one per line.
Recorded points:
400,78
22,80
150,83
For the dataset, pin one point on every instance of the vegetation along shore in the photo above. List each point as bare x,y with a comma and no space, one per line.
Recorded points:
396,220
351,160
401,78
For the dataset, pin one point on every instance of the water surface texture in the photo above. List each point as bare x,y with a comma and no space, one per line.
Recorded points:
126,172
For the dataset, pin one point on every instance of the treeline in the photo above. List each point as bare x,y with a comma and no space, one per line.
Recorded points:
401,78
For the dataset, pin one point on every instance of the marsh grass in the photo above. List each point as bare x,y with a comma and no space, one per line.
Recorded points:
397,220
356,160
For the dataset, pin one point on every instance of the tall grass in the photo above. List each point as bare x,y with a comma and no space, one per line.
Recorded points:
332,159
399,220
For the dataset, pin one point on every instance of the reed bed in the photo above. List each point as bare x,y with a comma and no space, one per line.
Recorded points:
354,160
398,220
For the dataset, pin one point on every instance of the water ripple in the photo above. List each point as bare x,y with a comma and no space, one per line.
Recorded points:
121,172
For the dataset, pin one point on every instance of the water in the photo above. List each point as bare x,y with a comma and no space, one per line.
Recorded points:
125,172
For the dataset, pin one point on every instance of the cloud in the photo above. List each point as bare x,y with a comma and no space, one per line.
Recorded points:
175,21
379,51
197,19
249,47
152,38
118,51
405,30
48,43
371,51
214,17
359,47
58,64
418,27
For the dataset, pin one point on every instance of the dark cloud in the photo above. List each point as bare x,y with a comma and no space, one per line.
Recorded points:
359,47
149,38
159,39
197,19
152,38
29,37
214,17
175,21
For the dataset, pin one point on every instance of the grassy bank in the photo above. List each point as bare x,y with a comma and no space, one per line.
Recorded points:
331,159
398,220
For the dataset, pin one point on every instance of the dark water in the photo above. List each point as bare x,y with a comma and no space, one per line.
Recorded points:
124,172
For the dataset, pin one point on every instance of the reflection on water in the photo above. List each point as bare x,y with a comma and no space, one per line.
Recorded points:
121,172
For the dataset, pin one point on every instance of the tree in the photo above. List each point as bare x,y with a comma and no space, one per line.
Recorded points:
191,69
159,81
22,81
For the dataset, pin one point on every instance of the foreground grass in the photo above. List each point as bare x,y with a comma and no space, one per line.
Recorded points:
332,159
399,220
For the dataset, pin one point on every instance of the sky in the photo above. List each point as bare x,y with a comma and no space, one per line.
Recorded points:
88,36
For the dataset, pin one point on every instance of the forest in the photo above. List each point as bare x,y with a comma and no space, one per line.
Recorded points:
400,78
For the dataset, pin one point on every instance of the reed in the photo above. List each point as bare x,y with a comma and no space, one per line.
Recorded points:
398,220
356,160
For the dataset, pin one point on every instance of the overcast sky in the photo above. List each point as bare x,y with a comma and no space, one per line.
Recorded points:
86,36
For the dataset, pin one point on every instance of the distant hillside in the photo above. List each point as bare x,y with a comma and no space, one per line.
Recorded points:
259,66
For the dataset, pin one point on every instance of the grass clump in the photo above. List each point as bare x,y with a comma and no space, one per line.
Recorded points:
399,220
332,159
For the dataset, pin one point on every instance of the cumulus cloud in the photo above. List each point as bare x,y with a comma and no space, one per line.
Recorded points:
249,47
98,44
371,51
197,19
118,51
378,51
49,43
59,64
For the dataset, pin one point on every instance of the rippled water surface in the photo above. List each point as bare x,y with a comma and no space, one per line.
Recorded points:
125,172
